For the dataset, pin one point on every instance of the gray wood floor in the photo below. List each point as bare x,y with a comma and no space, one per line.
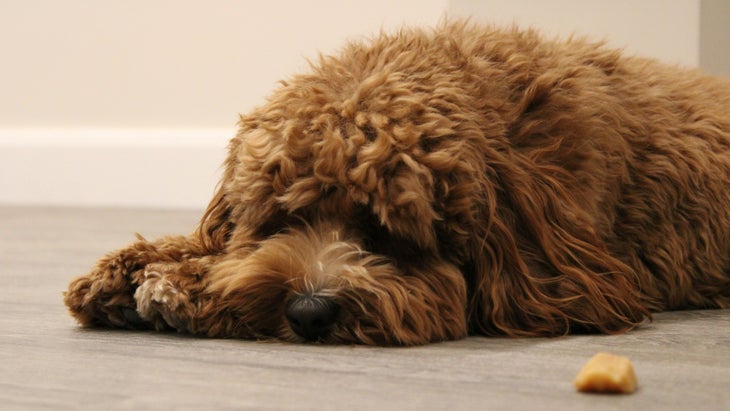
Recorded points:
682,359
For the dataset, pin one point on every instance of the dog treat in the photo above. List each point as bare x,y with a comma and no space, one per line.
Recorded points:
606,373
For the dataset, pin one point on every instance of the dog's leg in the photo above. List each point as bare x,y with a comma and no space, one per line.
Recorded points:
179,295
105,296
169,294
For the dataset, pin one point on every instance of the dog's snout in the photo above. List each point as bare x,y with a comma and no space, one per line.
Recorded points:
312,317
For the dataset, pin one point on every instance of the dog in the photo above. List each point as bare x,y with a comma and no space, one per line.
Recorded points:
430,184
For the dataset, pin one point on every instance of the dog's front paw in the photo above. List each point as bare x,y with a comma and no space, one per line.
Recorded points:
160,302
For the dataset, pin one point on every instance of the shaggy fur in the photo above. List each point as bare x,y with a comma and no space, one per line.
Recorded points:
426,185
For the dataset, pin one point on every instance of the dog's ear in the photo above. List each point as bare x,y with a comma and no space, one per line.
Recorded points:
215,226
541,269
255,175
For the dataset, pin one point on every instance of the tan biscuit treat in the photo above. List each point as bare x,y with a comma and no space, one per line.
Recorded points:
606,373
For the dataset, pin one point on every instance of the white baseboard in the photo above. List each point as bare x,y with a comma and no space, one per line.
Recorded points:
122,168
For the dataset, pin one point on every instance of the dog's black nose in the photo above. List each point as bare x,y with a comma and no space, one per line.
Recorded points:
311,317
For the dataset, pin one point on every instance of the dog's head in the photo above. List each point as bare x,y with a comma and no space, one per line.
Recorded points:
354,195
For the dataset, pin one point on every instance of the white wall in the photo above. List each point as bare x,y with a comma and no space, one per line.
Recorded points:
95,92
131,103
168,63
664,29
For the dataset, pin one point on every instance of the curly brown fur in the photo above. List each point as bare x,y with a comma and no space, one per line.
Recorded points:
430,184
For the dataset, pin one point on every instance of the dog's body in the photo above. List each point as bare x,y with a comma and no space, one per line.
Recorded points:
428,185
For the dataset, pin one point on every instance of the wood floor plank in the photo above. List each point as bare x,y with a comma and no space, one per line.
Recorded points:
682,359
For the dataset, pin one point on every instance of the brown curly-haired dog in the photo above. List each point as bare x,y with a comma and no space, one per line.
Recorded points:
430,184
